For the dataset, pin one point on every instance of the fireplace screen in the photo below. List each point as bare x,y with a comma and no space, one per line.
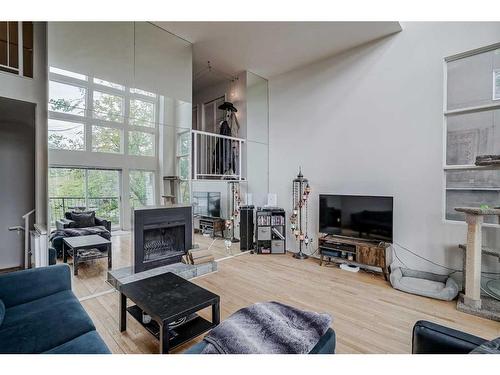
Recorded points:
163,242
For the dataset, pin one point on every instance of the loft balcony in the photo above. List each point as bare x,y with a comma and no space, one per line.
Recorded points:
217,157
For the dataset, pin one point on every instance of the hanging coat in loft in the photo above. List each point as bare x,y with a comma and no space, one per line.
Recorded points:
224,159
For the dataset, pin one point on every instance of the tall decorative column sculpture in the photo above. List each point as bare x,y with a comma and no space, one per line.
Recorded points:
299,218
234,208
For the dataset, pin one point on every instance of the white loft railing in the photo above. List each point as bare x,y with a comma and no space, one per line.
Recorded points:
217,157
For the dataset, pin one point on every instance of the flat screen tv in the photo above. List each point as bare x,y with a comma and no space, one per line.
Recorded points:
206,203
356,216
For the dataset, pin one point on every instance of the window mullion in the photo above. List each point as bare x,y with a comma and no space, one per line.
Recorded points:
20,44
86,189
88,116
126,123
8,44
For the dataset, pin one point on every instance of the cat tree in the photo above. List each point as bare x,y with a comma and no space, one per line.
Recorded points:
472,302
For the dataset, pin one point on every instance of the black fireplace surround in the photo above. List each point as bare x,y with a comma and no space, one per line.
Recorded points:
162,235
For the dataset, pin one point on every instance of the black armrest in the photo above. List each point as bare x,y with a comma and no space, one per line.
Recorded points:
64,223
52,256
105,223
431,338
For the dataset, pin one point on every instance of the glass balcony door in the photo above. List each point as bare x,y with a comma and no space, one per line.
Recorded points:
80,189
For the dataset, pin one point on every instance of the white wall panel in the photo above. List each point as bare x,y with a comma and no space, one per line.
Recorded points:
370,121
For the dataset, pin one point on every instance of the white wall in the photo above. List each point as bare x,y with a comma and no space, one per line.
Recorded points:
234,92
370,121
257,146
208,94
34,90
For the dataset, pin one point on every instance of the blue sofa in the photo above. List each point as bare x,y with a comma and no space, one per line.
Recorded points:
40,314
325,345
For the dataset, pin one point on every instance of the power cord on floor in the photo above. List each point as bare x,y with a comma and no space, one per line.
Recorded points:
432,262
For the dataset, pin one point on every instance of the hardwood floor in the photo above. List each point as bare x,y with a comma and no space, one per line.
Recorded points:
91,278
217,246
368,315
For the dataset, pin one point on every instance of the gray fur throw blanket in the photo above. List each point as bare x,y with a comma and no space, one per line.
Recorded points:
268,328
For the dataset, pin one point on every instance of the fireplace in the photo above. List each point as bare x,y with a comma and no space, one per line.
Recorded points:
162,235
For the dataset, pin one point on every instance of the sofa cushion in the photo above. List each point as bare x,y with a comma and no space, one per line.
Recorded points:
74,232
83,219
18,314
88,343
44,328
2,311
415,284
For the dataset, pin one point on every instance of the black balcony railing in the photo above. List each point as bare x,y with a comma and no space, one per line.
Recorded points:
105,207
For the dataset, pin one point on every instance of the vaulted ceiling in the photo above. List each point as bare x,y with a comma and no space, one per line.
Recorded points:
271,48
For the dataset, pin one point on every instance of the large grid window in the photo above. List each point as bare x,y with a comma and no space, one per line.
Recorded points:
67,99
95,115
76,189
106,139
472,120
108,107
140,143
66,135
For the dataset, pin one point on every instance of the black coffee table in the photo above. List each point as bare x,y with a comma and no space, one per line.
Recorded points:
86,248
168,298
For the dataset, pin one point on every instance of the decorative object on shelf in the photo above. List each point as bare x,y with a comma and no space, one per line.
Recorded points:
234,208
299,217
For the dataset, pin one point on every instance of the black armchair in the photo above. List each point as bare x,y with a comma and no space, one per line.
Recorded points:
68,228
432,338
66,222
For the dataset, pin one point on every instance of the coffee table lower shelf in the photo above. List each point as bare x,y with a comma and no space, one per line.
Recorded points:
194,327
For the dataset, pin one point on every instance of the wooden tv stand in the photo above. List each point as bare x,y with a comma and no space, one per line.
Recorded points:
338,249
212,225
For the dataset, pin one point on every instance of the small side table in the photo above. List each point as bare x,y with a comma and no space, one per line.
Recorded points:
81,248
166,298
